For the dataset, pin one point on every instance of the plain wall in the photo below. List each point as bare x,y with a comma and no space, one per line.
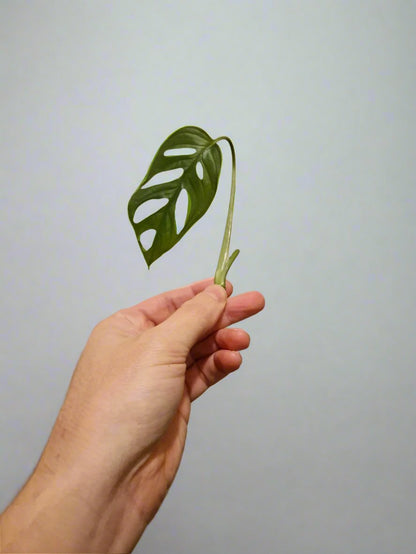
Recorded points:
310,447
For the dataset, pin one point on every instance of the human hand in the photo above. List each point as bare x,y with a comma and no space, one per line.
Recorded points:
119,437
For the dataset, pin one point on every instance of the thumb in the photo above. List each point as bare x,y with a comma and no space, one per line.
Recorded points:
195,319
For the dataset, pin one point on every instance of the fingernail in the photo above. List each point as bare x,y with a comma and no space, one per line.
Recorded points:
217,292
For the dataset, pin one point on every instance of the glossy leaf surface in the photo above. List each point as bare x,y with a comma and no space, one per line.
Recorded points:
194,161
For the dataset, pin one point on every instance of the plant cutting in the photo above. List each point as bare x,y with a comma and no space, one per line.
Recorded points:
188,160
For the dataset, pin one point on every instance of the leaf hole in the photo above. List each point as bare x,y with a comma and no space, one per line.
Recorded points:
148,208
147,238
199,170
181,210
164,177
179,152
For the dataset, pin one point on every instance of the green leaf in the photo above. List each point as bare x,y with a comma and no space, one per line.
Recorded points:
193,151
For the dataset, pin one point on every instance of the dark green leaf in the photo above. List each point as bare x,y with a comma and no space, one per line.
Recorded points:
193,151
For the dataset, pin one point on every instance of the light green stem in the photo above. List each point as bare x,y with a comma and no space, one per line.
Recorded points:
225,261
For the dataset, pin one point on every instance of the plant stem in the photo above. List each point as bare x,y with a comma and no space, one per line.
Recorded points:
225,261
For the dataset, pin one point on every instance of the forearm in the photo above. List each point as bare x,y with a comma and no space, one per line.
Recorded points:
66,514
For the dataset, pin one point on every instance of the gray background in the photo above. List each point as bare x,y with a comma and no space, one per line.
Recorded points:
310,447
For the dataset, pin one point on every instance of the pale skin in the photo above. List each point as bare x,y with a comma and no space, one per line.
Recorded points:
119,437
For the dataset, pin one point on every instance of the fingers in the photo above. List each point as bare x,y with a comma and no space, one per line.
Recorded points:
205,373
193,320
217,356
241,307
160,307
224,339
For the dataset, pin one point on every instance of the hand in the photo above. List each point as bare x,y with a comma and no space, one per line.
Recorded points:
119,437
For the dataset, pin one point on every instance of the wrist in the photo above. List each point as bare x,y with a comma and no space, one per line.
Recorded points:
66,513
